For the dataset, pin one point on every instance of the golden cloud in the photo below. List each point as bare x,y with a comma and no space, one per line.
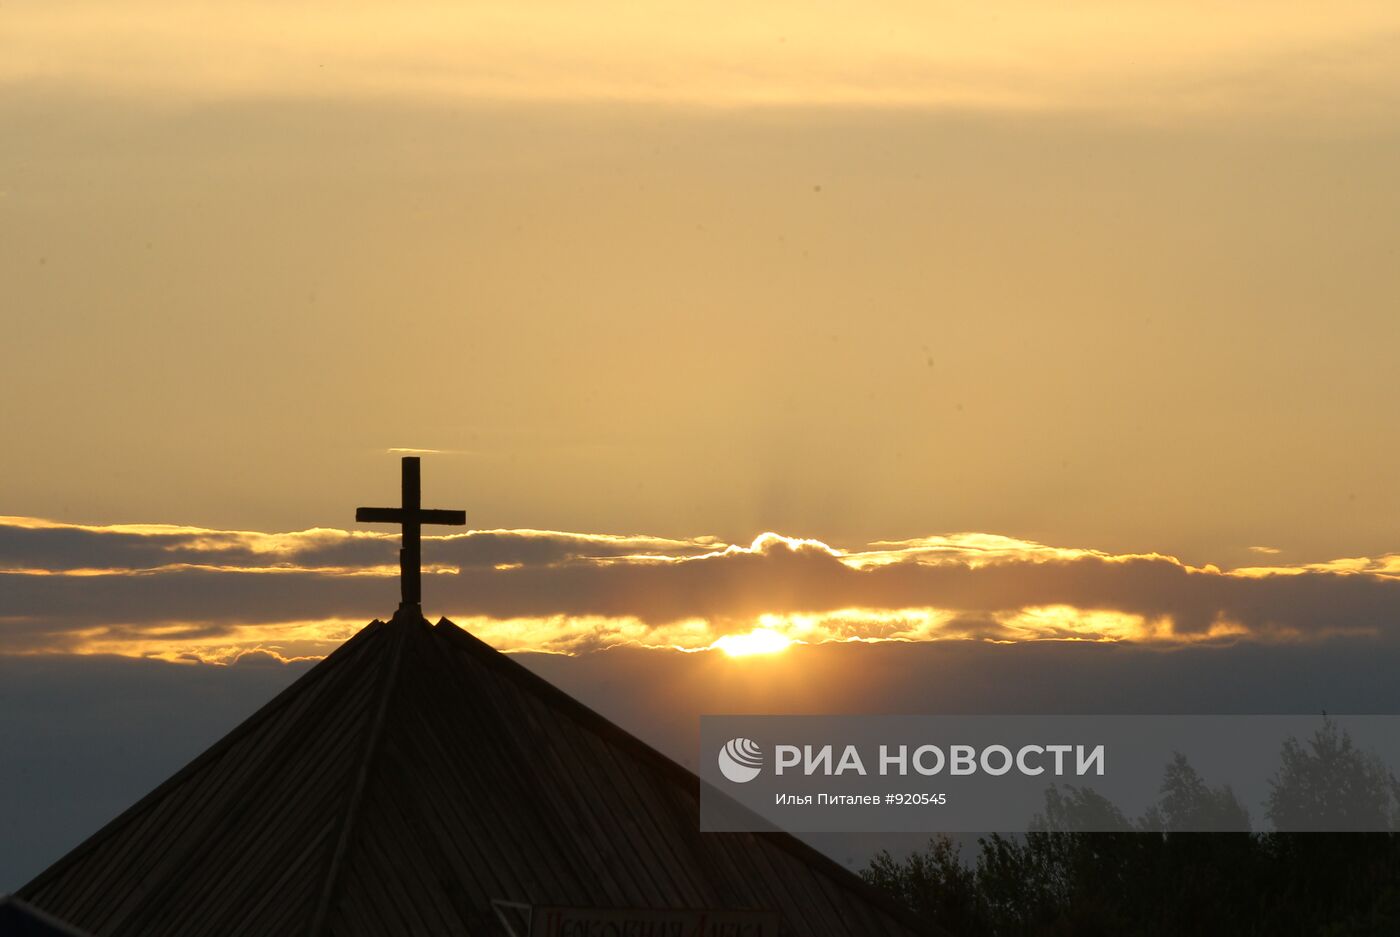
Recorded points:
186,593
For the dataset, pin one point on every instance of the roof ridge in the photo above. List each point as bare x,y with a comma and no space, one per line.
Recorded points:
214,751
388,680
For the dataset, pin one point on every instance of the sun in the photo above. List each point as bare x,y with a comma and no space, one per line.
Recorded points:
757,641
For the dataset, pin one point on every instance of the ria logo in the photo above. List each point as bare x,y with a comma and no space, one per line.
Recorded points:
740,760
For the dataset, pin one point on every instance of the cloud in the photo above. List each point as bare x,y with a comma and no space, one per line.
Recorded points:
216,595
44,546
1132,59
262,657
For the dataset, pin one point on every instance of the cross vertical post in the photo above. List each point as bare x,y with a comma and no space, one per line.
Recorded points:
411,551
412,517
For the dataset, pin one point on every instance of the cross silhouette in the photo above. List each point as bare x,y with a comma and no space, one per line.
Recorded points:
412,516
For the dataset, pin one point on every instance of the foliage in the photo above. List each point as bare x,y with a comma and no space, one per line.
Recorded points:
1152,878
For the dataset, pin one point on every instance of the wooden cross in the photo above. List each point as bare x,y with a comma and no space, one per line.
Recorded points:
412,517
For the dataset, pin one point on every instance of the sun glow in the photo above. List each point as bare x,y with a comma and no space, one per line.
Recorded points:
757,641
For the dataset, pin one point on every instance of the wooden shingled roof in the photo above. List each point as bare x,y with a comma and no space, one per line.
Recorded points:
407,781
20,919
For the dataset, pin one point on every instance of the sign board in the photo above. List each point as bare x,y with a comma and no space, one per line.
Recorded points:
638,922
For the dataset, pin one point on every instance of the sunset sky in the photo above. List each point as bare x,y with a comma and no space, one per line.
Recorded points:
1114,278
728,327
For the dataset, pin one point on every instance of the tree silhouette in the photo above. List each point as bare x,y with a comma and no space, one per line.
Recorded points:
936,883
1078,808
1152,878
1187,803
1331,785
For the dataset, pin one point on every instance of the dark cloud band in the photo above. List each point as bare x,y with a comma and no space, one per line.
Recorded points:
68,582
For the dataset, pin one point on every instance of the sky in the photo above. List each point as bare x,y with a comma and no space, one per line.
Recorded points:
1115,276
746,338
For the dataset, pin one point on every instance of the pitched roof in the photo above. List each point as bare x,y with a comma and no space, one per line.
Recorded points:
405,782
20,919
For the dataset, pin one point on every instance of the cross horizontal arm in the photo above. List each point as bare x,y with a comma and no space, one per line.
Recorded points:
435,516
380,515
397,516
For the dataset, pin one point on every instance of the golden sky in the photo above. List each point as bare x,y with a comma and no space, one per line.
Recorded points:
1097,56
1110,275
